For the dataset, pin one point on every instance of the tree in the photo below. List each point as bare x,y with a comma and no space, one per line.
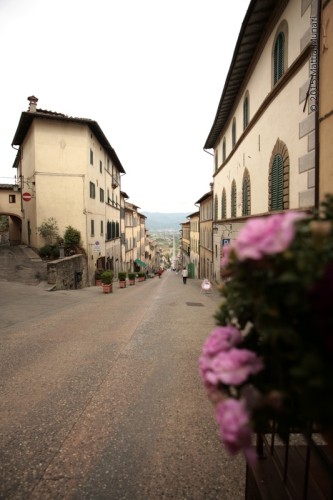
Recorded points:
72,238
49,230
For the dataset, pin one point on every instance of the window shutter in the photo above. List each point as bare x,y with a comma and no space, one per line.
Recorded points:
279,57
233,200
246,112
224,205
233,133
277,183
245,197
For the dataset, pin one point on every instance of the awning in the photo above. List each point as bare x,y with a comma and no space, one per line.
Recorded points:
140,263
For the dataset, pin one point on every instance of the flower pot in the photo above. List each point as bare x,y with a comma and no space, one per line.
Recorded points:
107,288
131,282
98,282
122,284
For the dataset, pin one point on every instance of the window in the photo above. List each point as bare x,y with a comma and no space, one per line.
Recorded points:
224,204
92,190
91,157
100,166
224,150
92,228
108,230
233,199
246,194
216,208
246,111
233,132
102,228
101,195
278,57
278,180
108,165
277,183
12,198
216,160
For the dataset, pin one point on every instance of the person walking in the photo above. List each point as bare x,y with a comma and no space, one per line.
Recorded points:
184,274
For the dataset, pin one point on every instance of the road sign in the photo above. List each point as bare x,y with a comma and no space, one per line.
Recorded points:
26,196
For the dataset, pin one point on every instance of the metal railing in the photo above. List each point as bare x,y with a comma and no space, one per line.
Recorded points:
298,468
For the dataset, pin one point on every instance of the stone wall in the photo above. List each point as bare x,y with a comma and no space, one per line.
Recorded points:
68,273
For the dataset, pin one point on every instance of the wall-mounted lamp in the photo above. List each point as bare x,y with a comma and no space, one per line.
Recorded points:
224,227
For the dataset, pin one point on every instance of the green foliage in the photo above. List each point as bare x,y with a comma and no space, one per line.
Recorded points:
49,252
72,237
122,275
98,273
283,302
141,274
131,276
107,277
49,230
4,223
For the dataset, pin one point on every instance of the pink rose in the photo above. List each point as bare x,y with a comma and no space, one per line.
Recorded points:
225,255
222,338
266,235
234,424
232,367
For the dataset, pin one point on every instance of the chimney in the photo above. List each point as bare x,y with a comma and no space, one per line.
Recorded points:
211,185
33,104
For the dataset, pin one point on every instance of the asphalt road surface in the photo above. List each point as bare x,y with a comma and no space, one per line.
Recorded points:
101,397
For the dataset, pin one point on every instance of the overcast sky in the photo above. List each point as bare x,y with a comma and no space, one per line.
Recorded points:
150,72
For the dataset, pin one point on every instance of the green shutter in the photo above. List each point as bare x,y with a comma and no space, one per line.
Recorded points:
245,197
246,112
224,205
233,133
277,183
233,200
279,57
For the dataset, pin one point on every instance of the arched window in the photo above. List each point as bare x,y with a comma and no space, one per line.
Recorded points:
216,160
279,178
233,133
224,205
278,57
233,199
216,208
246,194
246,111
277,183
280,52
224,150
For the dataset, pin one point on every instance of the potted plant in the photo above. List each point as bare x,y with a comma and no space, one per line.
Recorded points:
122,279
107,278
131,278
141,276
98,277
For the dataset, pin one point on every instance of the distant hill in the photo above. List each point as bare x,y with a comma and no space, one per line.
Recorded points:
158,221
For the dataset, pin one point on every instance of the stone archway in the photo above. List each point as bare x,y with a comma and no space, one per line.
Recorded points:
14,234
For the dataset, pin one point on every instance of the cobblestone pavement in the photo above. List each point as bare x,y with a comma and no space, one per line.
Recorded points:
101,398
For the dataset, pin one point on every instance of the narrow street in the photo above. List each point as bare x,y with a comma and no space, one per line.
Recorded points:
101,396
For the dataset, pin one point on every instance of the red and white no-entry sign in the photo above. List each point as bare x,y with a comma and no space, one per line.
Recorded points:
26,196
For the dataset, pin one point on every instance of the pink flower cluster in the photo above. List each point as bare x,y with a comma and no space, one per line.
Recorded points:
264,236
222,362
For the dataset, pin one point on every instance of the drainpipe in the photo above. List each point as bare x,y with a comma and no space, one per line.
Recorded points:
317,146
